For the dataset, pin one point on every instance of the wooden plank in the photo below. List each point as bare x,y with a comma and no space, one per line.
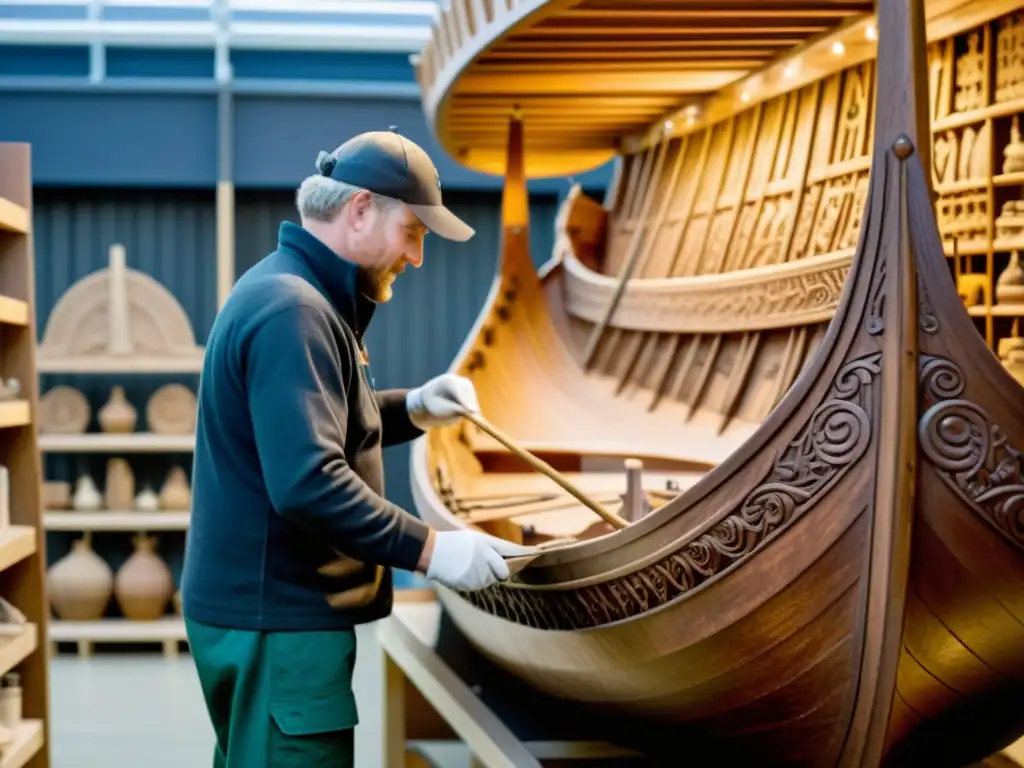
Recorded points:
119,630
28,740
13,311
136,442
16,543
109,364
15,648
15,413
115,520
13,218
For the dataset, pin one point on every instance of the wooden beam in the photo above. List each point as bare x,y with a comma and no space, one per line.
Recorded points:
514,83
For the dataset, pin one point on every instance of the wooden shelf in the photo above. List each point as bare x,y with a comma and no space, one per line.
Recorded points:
120,365
15,413
997,310
121,630
15,648
13,311
131,442
16,543
1008,180
13,218
968,117
21,544
115,520
28,739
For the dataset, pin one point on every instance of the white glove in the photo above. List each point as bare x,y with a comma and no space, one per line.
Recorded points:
467,560
431,405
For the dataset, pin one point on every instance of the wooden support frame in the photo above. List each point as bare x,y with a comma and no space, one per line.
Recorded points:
426,701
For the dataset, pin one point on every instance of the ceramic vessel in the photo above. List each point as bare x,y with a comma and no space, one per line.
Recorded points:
64,410
176,493
147,500
1010,285
172,410
87,496
120,489
80,584
143,585
118,415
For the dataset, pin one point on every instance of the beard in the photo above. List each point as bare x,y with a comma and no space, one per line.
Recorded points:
377,284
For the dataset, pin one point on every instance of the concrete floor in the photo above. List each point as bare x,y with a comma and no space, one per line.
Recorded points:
135,709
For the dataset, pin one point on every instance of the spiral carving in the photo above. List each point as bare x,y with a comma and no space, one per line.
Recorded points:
836,436
941,379
971,453
954,435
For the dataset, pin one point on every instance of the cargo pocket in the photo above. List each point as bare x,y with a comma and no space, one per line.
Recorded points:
311,699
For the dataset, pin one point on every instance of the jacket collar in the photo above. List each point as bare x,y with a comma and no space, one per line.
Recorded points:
339,280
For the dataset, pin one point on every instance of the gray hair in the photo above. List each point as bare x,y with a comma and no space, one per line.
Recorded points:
321,198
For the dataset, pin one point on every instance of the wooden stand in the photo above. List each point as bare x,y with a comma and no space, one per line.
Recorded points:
22,546
438,691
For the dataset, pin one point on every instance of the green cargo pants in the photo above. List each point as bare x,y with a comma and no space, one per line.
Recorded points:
277,699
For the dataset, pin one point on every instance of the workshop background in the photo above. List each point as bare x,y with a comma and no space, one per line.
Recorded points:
136,111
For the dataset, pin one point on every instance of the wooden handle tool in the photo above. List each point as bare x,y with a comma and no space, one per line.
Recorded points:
543,467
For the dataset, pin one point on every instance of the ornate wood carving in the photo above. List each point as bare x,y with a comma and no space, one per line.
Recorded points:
800,293
972,453
833,441
117,312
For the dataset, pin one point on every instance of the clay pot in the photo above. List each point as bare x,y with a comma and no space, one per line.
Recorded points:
118,415
80,584
143,585
1010,285
120,491
87,497
176,493
147,500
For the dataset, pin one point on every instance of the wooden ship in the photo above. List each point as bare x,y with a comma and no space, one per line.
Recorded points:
760,351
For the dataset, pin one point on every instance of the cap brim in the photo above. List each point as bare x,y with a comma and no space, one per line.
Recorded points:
443,222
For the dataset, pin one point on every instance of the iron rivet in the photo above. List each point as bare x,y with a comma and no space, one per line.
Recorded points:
902,147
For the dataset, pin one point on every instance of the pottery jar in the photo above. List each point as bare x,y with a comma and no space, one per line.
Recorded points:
143,585
80,584
117,415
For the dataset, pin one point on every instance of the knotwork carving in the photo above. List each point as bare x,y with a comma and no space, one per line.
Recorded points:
971,453
789,295
836,436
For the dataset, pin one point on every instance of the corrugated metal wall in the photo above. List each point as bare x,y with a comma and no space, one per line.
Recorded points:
171,235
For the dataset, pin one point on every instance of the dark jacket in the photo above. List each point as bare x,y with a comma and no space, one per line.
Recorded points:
288,467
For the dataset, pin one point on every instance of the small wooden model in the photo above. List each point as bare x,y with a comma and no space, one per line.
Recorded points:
824,560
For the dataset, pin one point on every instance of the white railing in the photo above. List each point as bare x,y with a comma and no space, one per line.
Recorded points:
391,25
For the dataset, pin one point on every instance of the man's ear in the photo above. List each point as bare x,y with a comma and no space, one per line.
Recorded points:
359,209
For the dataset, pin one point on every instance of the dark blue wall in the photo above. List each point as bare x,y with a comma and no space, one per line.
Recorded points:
153,119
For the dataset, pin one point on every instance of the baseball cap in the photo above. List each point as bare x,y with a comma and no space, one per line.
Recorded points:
389,164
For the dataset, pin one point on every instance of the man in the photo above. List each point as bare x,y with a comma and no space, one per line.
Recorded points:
291,542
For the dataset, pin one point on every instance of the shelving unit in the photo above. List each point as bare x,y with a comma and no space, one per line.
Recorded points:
977,96
22,546
115,304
